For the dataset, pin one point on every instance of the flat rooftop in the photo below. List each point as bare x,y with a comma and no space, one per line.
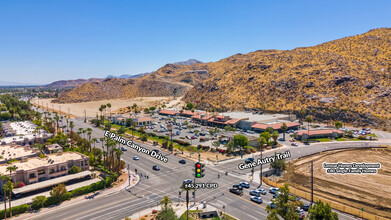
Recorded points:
36,162
23,127
10,152
255,117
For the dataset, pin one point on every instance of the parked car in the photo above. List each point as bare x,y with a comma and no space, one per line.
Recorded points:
256,199
273,190
182,161
155,167
245,185
276,195
249,160
305,207
236,191
272,205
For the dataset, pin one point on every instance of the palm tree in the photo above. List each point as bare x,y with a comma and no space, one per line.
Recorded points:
309,120
94,140
71,125
165,202
118,153
284,128
302,113
109,106
183,188
10,185
84,133
5,178
57,124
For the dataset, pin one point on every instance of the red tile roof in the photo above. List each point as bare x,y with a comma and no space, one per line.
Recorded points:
275,126
319,131
232,121
187,112
168,112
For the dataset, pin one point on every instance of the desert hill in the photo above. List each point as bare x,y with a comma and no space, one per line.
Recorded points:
62,84
349,77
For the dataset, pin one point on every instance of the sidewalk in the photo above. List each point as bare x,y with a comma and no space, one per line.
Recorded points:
179,209
129,183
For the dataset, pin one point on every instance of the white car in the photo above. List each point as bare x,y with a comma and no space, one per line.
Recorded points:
136,158
244,184
256,199
124,149
261,191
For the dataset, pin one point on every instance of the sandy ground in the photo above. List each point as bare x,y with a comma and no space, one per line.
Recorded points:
369,191
117,105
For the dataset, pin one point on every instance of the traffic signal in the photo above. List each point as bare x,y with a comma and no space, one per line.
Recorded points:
199,170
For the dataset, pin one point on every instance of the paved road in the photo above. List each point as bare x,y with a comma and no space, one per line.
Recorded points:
168,180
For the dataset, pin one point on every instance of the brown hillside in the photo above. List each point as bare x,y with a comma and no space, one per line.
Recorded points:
113,88
352,74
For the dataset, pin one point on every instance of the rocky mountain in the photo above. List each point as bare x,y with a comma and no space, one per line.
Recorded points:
349,78
62,84
127,76
188,62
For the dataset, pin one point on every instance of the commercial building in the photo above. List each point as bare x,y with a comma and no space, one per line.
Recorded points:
169,112
320,133
33,170
22,133
140,119
275,126
11,152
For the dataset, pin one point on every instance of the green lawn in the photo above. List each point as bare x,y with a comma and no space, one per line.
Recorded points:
348,139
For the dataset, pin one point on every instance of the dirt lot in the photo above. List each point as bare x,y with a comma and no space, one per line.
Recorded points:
91,108
369,191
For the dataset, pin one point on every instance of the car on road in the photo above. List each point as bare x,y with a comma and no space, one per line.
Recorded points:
155,167
294,144
156,150
273,190
255,193
276,195
256,199
187,181
188,137
281,139
124,149
136,158
245,184
262,191
306,143
193,137
238,186
182,161
249,160
236,191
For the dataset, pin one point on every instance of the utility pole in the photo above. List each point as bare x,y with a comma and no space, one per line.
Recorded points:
312,182
260,170
187,204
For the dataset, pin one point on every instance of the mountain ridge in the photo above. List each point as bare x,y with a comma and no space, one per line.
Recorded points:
350,75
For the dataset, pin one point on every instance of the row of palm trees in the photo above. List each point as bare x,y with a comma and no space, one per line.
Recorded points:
7,189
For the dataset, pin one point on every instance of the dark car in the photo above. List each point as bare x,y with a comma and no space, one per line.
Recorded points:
156,150
238,186
305,207
249,160
236,191
155,167
281,139
182,161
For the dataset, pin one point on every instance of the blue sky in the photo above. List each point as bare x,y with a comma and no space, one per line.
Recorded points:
44,41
